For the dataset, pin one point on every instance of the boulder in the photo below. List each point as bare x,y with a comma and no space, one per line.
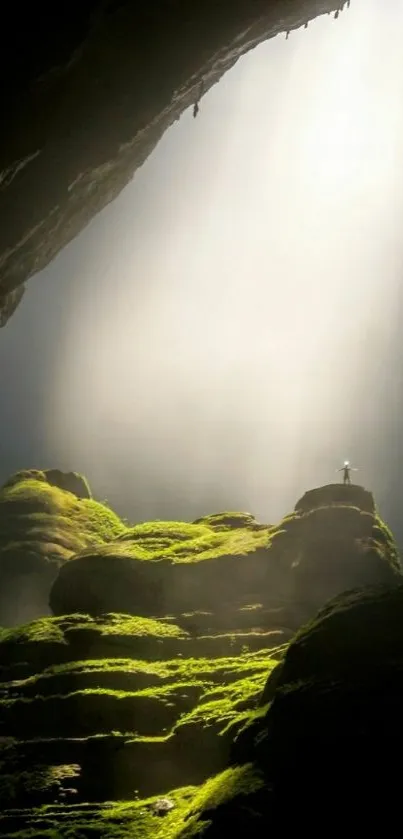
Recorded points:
42,524
227,570
126,701
69,481
333,729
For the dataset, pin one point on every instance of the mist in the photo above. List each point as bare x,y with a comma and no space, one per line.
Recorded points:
227,332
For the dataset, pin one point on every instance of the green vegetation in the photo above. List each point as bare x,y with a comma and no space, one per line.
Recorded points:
112,820
57,629
228,708
384,542
39,519
182,542
371,621
118,705
229,520
146,698
120,671
223,789
160,712
190,815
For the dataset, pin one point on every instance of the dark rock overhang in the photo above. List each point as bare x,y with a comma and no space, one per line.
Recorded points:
87,92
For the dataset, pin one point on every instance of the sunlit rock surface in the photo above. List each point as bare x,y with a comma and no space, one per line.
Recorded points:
344,495
111,705
41,527
332,732
228,571
87,93
154,681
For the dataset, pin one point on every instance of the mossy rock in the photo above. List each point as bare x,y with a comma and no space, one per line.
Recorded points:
236,802
161,568
227,521
42,526
229,799
138,818
329,549
62,704
334,494
72,482
333,727
221,564
53,640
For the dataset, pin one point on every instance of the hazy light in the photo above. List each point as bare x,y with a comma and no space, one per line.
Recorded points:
231,315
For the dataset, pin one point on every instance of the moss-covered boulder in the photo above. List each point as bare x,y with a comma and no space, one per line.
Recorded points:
348,495
72,482
41,526
334,541
215,569
333,729
109,705
223,521
99,706
230,799
161,568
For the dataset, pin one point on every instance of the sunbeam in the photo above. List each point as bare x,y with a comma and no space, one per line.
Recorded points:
224,340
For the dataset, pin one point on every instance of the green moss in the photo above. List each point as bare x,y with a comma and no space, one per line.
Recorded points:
124,714
112,820
38,520
24,475
56,629
228,706
191,821
192,811
34,781
182,542
119,671
230,520
88,698
347,637
383,540
98,522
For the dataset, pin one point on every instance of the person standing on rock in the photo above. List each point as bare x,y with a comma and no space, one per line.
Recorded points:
347,469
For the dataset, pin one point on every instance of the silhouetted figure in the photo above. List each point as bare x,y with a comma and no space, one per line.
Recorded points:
306,25
347,469
287,34
196,109
336,14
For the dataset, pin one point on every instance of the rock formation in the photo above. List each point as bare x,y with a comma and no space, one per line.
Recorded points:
41,526
221,564
87,93
170,679
330,737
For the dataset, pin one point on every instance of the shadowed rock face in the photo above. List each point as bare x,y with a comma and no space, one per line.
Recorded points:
333,732
87,92
69,481
223,563
340,494
45,518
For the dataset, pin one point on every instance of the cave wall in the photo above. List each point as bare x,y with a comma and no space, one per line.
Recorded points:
86,92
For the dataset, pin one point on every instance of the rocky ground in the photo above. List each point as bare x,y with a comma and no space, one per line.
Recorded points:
171,691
